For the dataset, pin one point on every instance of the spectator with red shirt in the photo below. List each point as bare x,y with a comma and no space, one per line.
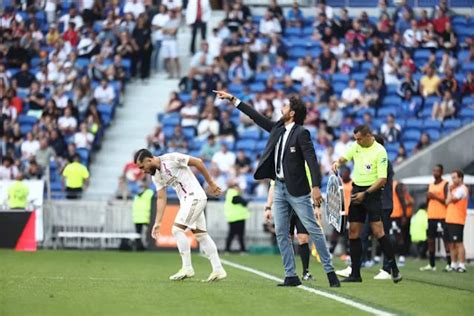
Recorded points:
468,85
440,22
355,37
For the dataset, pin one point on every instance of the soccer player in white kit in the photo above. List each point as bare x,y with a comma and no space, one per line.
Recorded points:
174,170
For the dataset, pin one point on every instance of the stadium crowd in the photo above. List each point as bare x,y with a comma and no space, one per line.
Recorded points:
408,75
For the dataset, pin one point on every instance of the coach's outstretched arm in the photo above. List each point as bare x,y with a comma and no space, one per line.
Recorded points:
258,118
160,209
199,165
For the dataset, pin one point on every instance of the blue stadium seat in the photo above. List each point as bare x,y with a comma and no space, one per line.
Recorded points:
392,146
434,134
392,90
189,132
341,78
185,97
427,3
409,145
430,101
168,130
391,100
451,124
106,112
25,128
236,88
386,110
431,124
27,119
246,144
82,63
293,31
56,186
250,133
298,52
299,42
338,87
366,66
411,134
261,145
414,123
426,112
467,113
171,119
468,66
257,87
392,155
359,76
468,101
422,54
315,52
84,153
260,76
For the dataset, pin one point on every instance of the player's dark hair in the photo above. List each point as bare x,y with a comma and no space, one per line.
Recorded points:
363,129
297,105
141,155
379,139
440,166
459,173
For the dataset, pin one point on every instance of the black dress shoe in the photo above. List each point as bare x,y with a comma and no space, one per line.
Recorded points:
291,281
333,280
352,279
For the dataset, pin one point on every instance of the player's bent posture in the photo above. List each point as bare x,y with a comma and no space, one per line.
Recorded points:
174,170
457,201
370,175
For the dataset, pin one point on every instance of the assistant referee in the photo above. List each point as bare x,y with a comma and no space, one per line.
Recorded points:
370,175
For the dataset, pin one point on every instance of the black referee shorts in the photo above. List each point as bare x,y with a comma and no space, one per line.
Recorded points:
455,232
295,222
371,206
437,229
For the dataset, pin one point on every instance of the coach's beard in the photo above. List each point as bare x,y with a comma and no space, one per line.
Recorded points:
152,171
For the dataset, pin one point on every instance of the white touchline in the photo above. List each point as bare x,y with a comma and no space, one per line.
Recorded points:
340,299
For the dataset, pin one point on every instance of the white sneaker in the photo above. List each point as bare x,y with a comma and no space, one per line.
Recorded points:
377,259
344,272
428,268
448,268
383,275
182,274
216,276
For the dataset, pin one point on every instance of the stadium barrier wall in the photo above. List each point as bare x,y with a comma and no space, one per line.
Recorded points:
453,151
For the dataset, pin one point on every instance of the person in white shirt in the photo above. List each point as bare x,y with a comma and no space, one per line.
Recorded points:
351,95
104,93
224,159
135,7
333,114
72,16
174,170
159,20
60,98
342,144
299,72
208,126
327,159
198,13
269,24
190,115
83,139
202,55
215,43
413,36
8,170
29,147
67,123
175,5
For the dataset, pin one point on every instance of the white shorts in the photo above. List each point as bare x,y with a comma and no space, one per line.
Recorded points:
169,49
191,214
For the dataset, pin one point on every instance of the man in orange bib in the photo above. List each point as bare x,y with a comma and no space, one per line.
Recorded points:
437,194
456,212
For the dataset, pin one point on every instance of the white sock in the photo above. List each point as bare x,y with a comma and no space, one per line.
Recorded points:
209,248
454,265
184,246
461,265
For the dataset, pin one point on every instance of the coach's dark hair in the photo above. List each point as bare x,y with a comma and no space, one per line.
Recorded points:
379,139
363,129
141,155
440,166
459,173
297,105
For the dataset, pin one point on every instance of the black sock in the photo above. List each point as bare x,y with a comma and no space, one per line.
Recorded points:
387,250
448,258
432,259
304,254
356,252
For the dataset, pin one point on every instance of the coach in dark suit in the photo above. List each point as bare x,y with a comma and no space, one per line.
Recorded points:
283,160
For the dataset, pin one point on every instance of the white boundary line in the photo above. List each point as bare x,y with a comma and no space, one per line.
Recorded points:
334,297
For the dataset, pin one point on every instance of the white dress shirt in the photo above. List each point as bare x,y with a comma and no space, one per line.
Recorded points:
283,143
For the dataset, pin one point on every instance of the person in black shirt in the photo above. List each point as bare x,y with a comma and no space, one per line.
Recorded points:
327,61
342,25
36,99
56,141
142,37
377,49
17,55
23,78
243,162
277,12
227,128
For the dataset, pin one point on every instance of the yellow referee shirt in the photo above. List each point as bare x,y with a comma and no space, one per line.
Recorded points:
75,174
370,163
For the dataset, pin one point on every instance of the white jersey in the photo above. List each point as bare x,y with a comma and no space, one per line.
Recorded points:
175,172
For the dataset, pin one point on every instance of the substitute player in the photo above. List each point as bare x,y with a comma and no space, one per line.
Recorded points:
456,212
174,170
370,175
437,195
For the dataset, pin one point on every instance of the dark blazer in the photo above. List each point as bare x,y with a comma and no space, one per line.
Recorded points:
298,149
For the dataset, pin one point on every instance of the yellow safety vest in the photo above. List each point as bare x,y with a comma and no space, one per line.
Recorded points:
18,195
142,207
234,212
419,225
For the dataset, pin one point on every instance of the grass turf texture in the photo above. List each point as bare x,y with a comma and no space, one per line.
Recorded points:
114,283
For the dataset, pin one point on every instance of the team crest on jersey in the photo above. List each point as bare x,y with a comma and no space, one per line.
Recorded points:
368,167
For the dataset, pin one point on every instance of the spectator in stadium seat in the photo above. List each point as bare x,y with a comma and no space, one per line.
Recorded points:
448,61
29,147
369,96
384,26
76,177
189,83
295,17
134,7
376,76
17,55
209,149
410,107
177,141
327,61
277,12
156,141
429,83
8,170
104,93
67,123
157,23
354,37
224,159
407,63
390,67
391,131
343,24
336,47
202,56
468,85
83,138
430,38
448,83
24,78
33,172
424,142
376,49
45,153
333,115
57,143
341,145
444,109
142,38
190,113
351,95
72,16
401,155
365,25
327,159
345,64
208,126
300,73
8,111
408,83
227,128
440,23
170,45
239,71
71,35
269,24
448,39
402,7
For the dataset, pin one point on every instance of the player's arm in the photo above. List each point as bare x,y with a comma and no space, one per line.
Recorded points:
455,196
160,210
201,167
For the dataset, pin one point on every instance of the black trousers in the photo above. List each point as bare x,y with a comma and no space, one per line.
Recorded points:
195,26
138,242
236,229
73,193
144,58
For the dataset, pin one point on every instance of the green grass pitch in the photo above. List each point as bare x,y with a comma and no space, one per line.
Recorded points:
115,283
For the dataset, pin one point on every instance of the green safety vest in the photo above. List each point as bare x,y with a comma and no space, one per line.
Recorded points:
419,225
234,212
18,195
142,207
